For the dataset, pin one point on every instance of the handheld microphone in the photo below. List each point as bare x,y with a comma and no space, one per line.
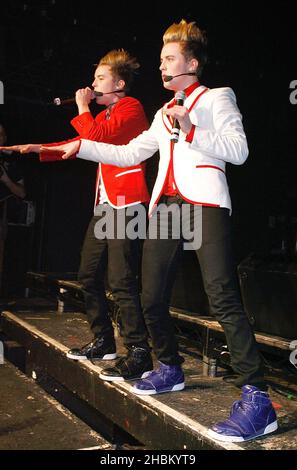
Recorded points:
168,78
60,102
180,97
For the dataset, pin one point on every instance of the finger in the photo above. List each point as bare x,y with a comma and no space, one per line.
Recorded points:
25,150
66,155
12,148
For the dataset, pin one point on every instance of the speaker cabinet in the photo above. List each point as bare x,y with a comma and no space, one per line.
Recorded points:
269,293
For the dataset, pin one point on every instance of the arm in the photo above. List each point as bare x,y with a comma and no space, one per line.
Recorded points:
21,148
83,98
36,148
18,189
47,156
127,120
227,141
139,149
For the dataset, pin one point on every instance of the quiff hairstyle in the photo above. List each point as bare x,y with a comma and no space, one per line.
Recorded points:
122,65
192,39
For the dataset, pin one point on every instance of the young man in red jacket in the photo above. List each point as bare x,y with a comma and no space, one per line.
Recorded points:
116,189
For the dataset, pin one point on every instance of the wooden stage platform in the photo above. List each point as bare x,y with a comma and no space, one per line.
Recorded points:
175,421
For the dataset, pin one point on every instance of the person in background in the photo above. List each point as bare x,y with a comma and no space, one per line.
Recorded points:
11,186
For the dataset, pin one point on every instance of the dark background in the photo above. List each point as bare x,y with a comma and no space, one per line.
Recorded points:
48,48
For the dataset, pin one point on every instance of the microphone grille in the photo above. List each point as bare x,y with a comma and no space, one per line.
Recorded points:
180,95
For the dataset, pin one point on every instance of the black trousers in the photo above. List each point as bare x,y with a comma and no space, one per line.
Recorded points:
160,258
119,259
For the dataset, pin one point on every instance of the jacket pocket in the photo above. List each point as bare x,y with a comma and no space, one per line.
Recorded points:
211,167
136,170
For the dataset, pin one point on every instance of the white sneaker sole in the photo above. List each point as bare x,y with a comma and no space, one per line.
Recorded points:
76,358
176,388
106,357
111,378
219,437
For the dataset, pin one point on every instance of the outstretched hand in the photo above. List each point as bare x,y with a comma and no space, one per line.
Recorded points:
23,148
69,149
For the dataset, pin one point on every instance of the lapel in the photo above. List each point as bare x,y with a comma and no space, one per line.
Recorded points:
190,102
194,97
167,120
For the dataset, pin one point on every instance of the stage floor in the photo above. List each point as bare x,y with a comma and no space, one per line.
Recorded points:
167,421
32,420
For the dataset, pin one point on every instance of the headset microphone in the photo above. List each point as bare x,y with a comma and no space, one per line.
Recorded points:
168,78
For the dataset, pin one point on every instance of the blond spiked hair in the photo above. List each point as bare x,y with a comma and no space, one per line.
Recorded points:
122,65
192,39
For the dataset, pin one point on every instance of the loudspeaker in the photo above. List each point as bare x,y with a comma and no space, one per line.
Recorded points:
269,292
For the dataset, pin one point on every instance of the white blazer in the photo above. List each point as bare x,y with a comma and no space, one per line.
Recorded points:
199,164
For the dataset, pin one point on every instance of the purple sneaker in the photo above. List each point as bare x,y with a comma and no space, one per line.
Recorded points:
252,416
164,379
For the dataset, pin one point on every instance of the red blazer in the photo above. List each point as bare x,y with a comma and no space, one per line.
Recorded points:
127,120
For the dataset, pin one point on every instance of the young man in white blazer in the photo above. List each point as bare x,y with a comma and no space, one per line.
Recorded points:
192,172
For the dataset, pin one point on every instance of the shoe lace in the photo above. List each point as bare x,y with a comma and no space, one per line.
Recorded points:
125,359
236,406
161,371
121,360
240,406
137,352
96,342
88,345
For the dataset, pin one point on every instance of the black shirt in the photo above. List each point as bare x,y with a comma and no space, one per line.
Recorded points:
13,168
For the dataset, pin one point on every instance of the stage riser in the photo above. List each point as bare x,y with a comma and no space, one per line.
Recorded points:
68,294
151,427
